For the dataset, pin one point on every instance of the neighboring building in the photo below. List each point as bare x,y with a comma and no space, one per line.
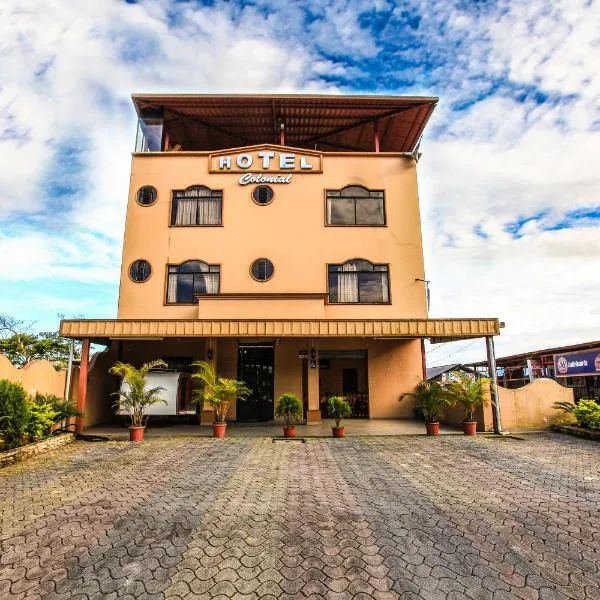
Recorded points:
445,373
278,237
576,367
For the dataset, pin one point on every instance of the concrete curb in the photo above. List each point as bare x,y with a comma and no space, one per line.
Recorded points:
18,454
588,434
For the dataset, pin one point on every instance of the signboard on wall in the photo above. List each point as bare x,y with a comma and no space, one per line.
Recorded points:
577,363
265,164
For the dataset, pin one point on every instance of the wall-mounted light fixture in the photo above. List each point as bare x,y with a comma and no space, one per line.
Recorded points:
209,354
313,358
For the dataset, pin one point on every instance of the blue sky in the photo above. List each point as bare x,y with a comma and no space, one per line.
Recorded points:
509,178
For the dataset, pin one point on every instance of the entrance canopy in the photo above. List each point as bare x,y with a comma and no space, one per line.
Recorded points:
101,331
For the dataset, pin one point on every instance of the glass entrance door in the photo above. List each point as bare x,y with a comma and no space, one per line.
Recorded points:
255,367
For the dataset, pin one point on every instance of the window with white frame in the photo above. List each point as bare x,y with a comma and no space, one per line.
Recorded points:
358,281
190,279
197,205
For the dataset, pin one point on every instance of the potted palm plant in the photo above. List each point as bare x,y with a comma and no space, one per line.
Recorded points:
338,409
219,392
431,397
471,393
289,407
135,398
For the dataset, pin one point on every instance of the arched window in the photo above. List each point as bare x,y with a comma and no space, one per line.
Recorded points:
190,279
358,281
355,205
197,205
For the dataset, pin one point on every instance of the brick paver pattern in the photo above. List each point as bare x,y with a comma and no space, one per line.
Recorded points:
385,517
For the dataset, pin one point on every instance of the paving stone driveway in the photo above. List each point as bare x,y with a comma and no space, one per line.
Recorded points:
404,517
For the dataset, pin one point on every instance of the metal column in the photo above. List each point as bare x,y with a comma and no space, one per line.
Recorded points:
69,370
491,359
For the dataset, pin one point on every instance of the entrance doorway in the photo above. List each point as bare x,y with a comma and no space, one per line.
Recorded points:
344,373
255,367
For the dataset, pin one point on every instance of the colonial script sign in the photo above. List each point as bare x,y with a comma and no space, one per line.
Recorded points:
266,164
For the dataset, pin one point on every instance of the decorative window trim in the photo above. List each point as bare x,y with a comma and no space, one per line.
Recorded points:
130,269
139,193
171,288
187,194
375,268
338,193
256,278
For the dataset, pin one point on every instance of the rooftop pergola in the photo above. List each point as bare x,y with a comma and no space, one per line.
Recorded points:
326,123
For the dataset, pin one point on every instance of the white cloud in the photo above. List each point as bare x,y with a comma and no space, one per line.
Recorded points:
68,69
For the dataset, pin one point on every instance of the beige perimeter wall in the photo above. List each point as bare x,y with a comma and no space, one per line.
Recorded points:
37,376
529,407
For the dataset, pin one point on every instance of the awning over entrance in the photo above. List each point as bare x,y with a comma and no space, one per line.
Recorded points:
101,331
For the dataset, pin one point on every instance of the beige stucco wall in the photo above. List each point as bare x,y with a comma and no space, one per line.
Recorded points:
525,408
36,376
290,232
531,407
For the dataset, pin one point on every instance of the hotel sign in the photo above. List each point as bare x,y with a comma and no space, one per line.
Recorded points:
266,164
577,363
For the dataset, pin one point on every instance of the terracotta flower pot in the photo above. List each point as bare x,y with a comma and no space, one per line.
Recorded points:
469,427
219,430
136,433
289,431
337,432
432,428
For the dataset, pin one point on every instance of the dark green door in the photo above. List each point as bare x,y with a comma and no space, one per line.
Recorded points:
255,367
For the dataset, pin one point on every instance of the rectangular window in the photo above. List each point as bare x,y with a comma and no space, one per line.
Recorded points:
358,282
197,205
188,281
355,205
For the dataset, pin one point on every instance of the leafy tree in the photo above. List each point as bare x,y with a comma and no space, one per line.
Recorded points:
22,345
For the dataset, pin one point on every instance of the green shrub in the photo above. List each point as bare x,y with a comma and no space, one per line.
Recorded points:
15,412
587,414
431,397
41,419
289,407
63,408
338,409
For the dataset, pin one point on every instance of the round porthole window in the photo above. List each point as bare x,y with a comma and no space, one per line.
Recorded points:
140,270
146,195
262,194
262,269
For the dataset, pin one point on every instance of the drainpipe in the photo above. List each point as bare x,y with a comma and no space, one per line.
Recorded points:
491,358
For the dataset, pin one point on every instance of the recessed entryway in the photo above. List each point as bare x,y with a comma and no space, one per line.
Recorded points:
255,368
344,373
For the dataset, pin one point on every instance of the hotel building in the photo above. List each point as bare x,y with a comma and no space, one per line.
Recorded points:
278,237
